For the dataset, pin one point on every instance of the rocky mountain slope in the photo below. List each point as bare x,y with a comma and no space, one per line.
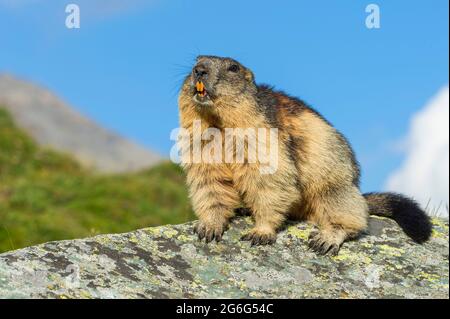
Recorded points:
51,122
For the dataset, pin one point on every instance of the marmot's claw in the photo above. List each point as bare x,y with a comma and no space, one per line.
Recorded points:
322,247
208,233
334,250
209,236
256,238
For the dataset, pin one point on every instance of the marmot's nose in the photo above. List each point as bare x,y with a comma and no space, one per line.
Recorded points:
200,71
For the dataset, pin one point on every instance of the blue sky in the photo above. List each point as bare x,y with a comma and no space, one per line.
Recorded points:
124,65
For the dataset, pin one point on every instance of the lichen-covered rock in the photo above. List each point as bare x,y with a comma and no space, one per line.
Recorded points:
169,262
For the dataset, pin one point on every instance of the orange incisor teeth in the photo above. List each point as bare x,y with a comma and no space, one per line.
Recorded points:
200,86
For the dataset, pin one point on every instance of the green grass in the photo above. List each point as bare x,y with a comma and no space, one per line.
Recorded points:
45,195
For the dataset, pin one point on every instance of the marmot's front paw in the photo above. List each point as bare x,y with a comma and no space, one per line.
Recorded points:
259,237
325,242
209,231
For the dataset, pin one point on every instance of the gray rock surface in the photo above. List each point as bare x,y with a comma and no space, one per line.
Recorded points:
169,262
53,123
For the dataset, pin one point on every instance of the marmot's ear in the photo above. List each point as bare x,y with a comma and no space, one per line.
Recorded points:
249,75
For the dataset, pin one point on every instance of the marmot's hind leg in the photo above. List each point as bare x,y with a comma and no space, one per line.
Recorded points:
340,216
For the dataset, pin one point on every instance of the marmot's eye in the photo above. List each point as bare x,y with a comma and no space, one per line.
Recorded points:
233,68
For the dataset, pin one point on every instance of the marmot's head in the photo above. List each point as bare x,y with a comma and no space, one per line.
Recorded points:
215,80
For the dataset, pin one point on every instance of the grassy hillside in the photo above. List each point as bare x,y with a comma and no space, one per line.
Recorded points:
45,195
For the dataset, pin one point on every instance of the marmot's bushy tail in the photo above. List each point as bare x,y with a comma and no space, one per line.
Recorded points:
405,211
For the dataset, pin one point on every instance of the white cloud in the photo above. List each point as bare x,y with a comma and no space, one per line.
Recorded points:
424,174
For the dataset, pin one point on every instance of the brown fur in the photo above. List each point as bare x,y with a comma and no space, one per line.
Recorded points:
316,178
